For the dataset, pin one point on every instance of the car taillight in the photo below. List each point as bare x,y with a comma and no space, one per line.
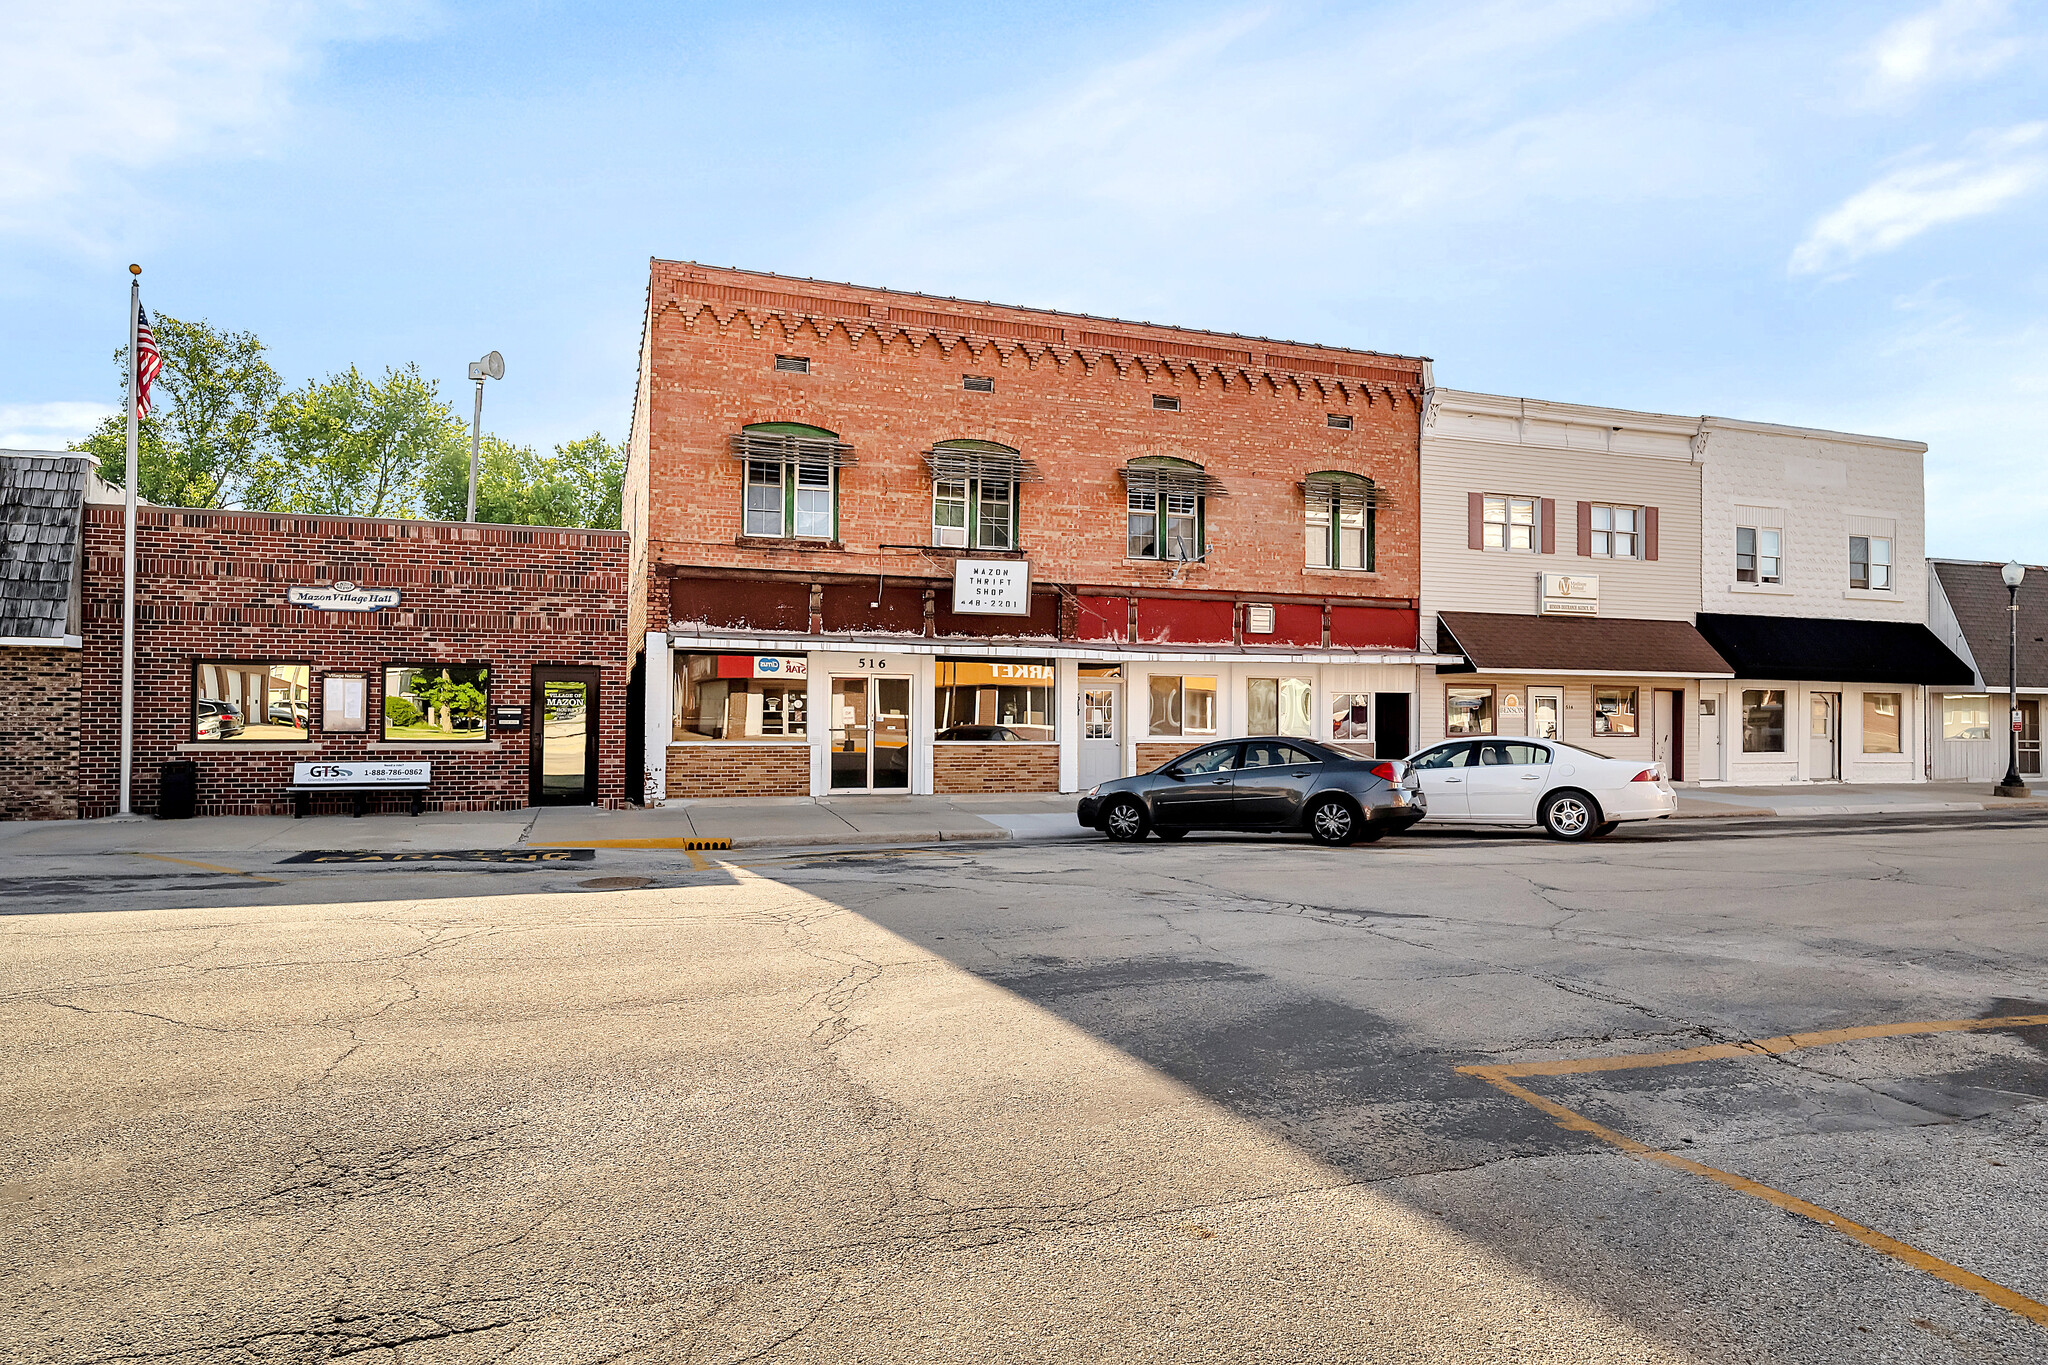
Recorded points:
1385,772
1646,775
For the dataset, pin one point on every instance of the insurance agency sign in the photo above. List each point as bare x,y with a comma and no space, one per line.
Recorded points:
342,595
992,587
1570,594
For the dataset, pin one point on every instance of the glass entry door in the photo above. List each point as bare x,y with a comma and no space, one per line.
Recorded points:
870,734
2030,738
564,737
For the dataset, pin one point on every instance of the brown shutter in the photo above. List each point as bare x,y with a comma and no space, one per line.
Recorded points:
1649,533
1475,521
1546,514
1585,528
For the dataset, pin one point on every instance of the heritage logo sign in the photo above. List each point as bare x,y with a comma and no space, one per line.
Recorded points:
342,595
992,587
1570,594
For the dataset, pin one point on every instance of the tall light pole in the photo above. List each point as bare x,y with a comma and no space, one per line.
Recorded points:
2013,574
491,366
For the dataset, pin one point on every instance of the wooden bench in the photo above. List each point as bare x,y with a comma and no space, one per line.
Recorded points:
302,797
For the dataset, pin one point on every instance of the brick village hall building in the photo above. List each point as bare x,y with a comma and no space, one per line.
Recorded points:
888,542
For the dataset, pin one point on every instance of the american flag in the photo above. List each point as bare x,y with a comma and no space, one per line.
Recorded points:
148,360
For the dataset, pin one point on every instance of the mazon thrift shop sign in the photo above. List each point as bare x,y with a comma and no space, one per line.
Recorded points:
342,595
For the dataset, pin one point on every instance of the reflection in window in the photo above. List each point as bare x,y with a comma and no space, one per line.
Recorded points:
740,696
1509,523
1278,706
1468,711
244,701
436,703
1614,711
1880,722
1614,531
1870,562
1183,706
1966,717
1756,554
1012,692
1351,715
1763,721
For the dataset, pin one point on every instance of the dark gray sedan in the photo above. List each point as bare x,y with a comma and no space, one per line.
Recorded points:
1263,785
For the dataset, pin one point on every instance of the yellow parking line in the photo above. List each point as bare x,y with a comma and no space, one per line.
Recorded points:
1759,1047
206,867
1570,1119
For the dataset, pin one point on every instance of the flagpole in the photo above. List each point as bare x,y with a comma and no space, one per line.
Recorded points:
128,545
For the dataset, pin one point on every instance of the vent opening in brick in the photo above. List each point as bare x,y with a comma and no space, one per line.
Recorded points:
1258,619
793,364
1165,402
977,383
1340,421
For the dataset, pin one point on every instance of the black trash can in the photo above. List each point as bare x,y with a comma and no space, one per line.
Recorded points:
177,793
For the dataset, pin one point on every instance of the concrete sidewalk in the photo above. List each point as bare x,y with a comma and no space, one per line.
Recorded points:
804,822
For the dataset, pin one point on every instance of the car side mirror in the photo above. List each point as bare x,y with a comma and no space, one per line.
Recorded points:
1177,774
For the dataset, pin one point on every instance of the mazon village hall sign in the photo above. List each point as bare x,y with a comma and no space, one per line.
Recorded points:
342,595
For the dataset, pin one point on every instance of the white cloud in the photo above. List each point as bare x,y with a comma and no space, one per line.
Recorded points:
1995,169
47,426
1955,40
93,94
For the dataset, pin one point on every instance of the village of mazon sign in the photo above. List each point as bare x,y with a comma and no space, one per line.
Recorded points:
342,595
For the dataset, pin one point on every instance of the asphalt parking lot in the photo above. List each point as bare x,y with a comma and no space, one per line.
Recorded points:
1768,1092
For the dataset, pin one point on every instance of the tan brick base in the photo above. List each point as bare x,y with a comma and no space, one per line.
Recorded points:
995,768
701,771
1152,755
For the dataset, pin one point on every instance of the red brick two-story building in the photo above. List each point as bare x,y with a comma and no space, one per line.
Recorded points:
889,542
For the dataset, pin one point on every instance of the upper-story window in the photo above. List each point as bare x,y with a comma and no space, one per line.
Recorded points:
1338,512
1756,554
975,493
1166,508
1509,523
1616,531
1870,562
792,480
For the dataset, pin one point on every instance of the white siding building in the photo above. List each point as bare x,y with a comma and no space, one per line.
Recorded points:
1969,734
1814,588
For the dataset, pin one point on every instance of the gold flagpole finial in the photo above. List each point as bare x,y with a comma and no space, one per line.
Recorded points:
135,270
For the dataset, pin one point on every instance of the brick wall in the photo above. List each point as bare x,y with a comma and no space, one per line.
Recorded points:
995,768
38,734
212,586
710,771
1152,755
1073,394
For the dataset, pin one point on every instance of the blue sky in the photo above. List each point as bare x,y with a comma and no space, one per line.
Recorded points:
1825,214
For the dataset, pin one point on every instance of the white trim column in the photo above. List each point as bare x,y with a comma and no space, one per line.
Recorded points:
657,715
1066,709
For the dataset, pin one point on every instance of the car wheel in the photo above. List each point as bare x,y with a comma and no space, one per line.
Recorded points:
1570,815
1124,821
1171,833
1332,821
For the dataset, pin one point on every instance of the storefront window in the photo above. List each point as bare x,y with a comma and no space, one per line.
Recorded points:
1880,722
1183,706
993,700
1278,706
1966,717
250,702
1614,711
1763,721
1468,711
741,696
1351,715
436,703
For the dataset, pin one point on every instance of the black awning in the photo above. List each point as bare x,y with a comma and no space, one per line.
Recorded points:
1823,649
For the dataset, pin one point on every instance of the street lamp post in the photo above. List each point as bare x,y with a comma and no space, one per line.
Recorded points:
2012,573
491,366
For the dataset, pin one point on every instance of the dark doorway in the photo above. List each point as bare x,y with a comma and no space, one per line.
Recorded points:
1390,725
565,712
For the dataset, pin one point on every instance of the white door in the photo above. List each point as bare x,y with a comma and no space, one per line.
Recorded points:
1823,743
1546,713
1503,780
1102,754
1710,738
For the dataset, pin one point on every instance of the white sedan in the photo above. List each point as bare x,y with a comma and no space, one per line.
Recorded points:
1571,793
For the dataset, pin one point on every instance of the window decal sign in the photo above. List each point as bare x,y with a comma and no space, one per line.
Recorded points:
342,595
992,587
360,774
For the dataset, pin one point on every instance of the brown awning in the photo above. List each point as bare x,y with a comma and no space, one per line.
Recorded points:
1498,643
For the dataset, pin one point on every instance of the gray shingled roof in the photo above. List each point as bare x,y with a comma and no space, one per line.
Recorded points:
1983,609
41,493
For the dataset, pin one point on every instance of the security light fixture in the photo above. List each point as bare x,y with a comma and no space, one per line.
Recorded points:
491,366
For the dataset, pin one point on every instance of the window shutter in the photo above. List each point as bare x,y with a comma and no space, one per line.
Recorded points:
1585,528
1649,533
1546,513
1475,516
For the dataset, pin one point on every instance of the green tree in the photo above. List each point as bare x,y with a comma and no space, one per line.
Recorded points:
352,446
208,431
577,485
